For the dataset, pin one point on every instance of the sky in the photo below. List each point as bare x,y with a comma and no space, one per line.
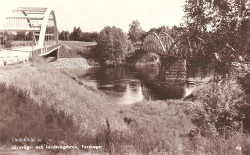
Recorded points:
94,15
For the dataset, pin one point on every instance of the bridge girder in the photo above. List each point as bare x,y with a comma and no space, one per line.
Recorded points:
162,44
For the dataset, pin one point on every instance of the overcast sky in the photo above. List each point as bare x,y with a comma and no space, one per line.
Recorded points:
94,15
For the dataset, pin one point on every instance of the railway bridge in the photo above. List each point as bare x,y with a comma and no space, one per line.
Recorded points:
173,57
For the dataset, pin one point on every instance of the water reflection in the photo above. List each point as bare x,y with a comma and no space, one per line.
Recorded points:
132,94
126,85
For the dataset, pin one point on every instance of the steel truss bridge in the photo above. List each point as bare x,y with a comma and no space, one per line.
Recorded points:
175,53
168,48
164,45
36,22
172,52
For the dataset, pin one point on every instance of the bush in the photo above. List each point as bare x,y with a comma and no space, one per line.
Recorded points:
245,109
159,125
222,109
112,46
8,44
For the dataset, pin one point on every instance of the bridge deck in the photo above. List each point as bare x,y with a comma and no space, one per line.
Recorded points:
11,57
23,53
24,48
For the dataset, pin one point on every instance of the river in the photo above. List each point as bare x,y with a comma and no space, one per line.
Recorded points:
126,85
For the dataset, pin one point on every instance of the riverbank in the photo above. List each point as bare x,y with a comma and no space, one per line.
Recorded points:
70,112
78,49
93,114
71,63
47,84
147,127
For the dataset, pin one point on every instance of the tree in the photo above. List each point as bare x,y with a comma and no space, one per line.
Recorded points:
223,27
20,36
160,29
135,31
89,36
76,34
64,35
112,45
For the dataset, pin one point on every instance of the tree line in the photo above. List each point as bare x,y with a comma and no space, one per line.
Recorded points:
78,35
113,44
135,33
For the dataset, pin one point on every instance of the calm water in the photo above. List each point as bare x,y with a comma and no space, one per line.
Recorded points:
126,85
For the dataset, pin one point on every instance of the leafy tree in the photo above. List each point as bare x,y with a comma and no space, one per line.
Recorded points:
89,36
245,109
224,26
76,34
20,36
112,46
221,111
135,31
64,35
160,29
219,28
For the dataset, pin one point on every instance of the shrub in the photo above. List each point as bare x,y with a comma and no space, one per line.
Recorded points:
222,108
245,109
159,125
8,44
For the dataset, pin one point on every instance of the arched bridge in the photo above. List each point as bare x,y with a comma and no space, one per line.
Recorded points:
30,30
172,52
164,45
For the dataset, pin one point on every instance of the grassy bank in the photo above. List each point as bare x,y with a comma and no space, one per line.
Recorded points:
48,85
61,107
22,117
79,49
158,127
120,129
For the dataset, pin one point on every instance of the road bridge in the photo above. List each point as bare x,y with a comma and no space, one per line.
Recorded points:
38,24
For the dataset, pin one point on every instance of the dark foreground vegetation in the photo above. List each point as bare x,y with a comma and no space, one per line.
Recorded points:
22,117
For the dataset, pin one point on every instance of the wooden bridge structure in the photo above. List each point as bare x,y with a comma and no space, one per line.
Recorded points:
41,23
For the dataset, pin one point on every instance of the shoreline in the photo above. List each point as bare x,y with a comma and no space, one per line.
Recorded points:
71,63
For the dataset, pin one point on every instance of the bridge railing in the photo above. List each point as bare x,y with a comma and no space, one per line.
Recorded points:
44,51
49,43
53,47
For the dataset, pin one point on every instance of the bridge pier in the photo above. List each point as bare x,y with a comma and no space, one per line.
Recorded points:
175,70
57,53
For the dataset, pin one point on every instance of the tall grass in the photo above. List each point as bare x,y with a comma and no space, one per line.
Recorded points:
22,117
48,85
158,127
168,127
